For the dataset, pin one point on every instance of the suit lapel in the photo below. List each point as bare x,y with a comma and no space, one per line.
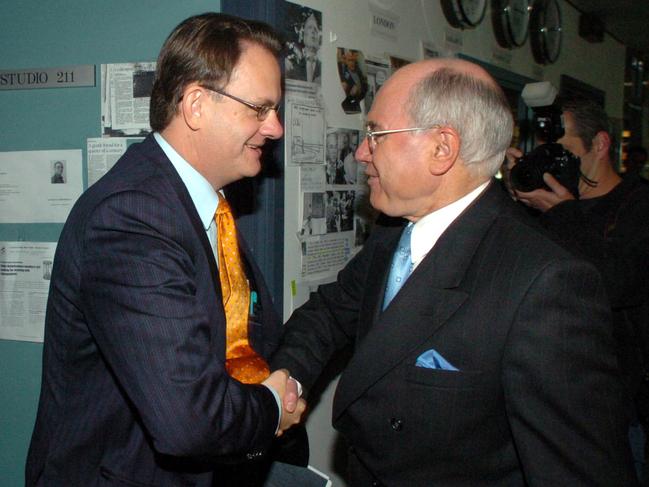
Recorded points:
151,147
429,297
376,282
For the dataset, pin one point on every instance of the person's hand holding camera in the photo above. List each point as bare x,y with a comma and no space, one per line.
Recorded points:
539,199
544,200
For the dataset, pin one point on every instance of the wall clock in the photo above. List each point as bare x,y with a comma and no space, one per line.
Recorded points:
545,31
511,22
464,13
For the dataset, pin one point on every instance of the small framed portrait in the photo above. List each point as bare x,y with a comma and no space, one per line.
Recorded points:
58,175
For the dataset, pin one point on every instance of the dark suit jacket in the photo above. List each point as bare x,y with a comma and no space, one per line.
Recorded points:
537,399
298,71
134,389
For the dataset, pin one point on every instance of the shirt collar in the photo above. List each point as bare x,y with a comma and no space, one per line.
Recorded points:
428,229
200,190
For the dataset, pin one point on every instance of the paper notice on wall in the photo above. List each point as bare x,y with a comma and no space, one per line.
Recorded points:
305,128
125,96
313,214
103,153
303,40
341,166
378,71
339,211
384,22
25,271
325,254
312,178
39,186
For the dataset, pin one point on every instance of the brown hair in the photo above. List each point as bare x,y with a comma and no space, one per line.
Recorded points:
589,119
204,48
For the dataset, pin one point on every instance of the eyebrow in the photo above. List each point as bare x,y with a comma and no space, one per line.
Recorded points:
371,125
267,102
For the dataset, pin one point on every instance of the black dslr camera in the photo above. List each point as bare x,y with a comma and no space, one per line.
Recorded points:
550,157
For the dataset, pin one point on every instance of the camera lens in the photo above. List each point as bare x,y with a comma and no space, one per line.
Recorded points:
527,174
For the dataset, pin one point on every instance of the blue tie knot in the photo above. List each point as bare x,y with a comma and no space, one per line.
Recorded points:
401,266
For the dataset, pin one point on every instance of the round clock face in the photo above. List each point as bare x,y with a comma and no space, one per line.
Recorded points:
553,30
518,17
464,13
473,10
546,31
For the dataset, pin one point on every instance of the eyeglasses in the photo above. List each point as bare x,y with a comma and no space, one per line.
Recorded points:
372,135
262,110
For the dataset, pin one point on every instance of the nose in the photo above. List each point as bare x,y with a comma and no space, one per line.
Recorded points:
271,128
363,154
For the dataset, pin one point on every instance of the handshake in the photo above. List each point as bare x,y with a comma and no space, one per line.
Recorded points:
293,405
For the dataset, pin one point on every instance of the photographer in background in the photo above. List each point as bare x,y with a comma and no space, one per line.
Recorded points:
609,225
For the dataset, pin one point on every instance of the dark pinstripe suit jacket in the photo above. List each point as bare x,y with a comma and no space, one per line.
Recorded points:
537,399
134,389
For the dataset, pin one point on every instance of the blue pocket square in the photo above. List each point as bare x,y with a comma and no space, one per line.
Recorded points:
431,359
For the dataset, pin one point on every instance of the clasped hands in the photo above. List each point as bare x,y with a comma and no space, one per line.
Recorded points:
541,199
292,405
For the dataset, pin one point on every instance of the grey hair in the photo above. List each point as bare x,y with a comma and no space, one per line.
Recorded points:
476,109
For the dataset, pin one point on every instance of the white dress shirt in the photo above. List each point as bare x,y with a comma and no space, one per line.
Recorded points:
428,229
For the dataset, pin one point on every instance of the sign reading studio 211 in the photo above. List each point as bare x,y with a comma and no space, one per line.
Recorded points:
64,77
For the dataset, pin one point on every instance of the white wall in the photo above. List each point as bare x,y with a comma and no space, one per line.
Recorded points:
346,23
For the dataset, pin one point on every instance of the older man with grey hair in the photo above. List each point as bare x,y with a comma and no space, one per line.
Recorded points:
483,352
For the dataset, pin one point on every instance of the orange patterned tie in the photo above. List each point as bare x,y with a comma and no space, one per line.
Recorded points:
241,361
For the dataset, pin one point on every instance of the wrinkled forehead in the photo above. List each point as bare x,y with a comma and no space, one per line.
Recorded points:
390,103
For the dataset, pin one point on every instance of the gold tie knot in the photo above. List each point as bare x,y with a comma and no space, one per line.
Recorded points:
224,206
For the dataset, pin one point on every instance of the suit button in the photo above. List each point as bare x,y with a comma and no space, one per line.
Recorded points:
397,424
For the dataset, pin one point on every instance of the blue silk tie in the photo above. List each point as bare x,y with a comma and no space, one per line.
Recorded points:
401,266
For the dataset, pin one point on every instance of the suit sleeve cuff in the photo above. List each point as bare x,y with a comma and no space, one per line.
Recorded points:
279,406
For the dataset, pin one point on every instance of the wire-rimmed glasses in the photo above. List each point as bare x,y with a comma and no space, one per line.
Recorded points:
372,135
262,110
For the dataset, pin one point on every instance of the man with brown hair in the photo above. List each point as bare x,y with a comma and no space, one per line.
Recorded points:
608,225
158,322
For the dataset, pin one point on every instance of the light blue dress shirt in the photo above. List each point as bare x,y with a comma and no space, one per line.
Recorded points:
203,195
205,199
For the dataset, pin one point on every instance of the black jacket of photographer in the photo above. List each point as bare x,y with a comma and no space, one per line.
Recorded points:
612,231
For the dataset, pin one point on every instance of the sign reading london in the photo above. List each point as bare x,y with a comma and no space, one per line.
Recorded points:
65,77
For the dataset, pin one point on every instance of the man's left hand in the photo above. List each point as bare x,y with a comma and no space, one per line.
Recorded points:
542,199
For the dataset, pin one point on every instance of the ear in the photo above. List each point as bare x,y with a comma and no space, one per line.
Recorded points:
601,142
192,105
445,150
